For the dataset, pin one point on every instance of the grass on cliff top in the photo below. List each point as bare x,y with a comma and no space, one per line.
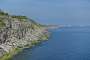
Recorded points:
3,13
2,24
19,17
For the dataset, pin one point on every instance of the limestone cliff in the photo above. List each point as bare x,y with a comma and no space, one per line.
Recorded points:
18,32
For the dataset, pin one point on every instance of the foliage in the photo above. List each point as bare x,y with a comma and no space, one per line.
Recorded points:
3,13
19,17
34,42
8,56
2,24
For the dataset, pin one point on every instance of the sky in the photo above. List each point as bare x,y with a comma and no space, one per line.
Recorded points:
71,12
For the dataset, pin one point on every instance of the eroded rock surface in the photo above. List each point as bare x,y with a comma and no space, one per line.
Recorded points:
18,31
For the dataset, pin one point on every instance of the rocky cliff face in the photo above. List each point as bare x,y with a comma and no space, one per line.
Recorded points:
18,32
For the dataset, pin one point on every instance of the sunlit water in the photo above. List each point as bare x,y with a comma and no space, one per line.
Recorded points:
71,43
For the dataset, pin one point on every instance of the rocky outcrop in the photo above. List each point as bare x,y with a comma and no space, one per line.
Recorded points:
18,32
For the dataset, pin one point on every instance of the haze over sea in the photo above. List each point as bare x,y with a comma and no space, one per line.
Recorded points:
73,12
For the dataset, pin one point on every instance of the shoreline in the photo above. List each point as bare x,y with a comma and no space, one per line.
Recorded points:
19,32
15,51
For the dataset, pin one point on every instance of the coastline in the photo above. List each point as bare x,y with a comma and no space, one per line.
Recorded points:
14,51
18,33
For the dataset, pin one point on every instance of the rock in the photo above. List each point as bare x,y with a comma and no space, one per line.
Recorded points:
2,52
18,32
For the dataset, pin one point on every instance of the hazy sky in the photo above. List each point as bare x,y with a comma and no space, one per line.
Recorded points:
76,12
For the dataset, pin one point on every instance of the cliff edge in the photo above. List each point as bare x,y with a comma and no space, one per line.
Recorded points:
19,32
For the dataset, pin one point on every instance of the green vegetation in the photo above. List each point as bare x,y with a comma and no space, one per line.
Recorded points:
35,42
44,37
3,13
2,24
8,56
19,17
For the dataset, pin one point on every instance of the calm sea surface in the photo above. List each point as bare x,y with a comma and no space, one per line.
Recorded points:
64,44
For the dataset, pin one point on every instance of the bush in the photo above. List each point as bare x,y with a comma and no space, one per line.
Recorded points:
19,17
3,13
2,24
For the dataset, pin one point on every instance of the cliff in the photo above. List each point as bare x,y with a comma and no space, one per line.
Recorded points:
19,32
